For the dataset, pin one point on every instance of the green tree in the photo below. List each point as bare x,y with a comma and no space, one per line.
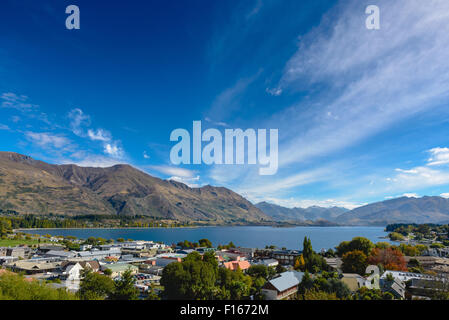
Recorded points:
358,243
124,288
152,295
354,262
394,236
15,287
233,285
194,257
209,257
191,279
313,262
107,272
258,270
95,286
205,243
280,268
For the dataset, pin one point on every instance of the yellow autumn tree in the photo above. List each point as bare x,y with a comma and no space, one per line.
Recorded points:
299,263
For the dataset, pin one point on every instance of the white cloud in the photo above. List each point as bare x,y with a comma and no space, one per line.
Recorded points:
372,79
410,195
423,176
190,182
113,150
19,102
4,127
274,91
99,135
445,195
292,181
306,203
94,161
217,123
145,155
78,120
354,84
418,177
48,140
174,171
438,156
228,101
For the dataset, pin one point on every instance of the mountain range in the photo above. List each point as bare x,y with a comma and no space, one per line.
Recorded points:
29,186
313,213
399,210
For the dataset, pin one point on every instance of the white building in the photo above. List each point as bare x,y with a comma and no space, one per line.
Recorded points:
72,272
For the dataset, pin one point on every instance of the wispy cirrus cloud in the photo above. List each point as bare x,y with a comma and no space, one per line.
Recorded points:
354,83
15,101
228,101
363,81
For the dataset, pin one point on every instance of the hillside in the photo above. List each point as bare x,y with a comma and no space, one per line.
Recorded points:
30,186
400,210
313,213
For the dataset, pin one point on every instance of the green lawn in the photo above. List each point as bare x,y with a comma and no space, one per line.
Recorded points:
13,243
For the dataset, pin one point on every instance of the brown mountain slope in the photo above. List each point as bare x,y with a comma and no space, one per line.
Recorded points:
399,210
35,187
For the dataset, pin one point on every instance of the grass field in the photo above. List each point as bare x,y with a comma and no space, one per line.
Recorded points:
13,243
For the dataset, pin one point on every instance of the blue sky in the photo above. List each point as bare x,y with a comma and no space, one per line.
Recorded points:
362,114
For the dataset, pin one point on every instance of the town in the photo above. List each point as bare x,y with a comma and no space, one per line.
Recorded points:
417,267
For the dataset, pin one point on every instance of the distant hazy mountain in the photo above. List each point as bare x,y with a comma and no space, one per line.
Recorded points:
400,210
29,186
313,213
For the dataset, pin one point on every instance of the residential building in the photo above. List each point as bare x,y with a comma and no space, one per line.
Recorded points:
34,267
44,248
72,272
60,254
235,265
18,252
354,281
267,262
425,287
119,268
286,257
405,276
334,263
395,287
283,286
99,254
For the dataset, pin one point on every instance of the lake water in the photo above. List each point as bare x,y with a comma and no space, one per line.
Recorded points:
247,236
